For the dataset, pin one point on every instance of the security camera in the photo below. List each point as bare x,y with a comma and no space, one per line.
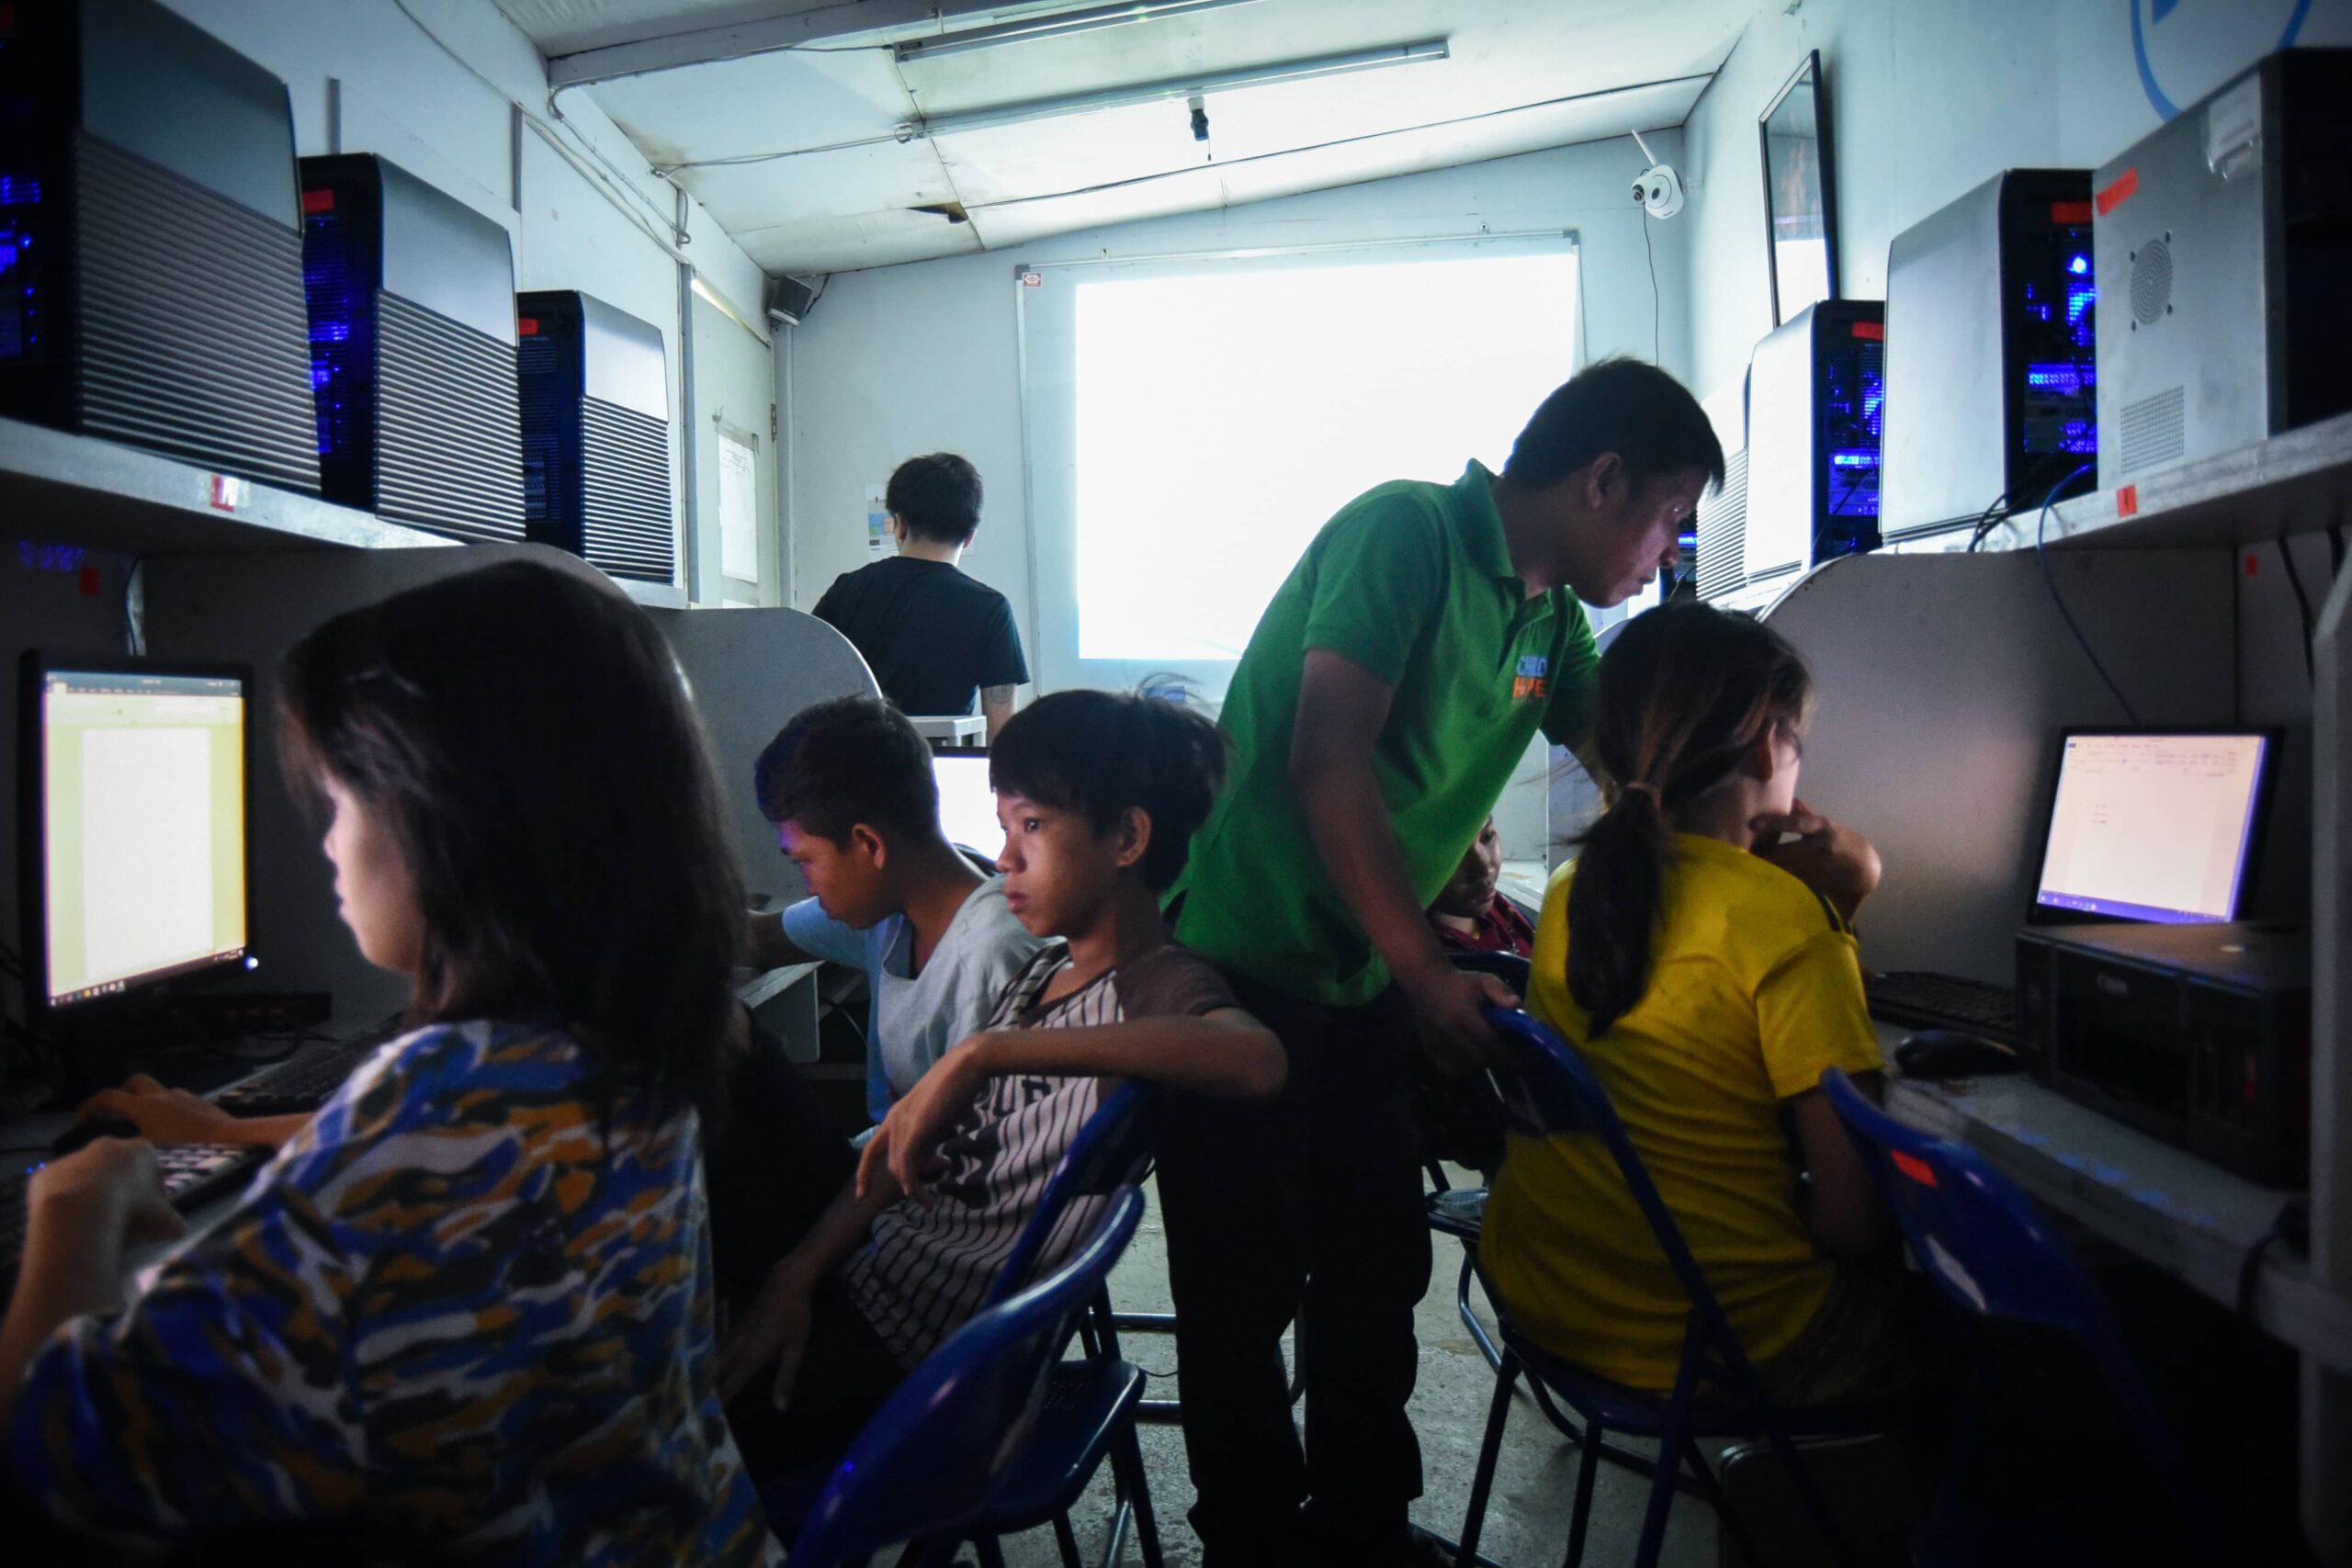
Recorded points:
1658,188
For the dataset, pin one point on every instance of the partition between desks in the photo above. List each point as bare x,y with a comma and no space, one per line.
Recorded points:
748,671
1943,681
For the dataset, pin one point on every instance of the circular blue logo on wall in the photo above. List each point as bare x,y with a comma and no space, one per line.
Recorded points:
2175,43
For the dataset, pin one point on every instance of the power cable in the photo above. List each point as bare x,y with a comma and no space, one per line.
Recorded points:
2041,554
2303,607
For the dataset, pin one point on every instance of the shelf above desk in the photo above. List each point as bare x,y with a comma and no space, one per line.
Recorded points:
2162,1205
78,490
2300,482
57,488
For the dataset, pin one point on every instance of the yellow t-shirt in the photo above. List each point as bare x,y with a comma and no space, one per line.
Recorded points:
1756,989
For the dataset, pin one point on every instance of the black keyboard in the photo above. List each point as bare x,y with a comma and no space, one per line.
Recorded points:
303,1084
1944,1001
193,1174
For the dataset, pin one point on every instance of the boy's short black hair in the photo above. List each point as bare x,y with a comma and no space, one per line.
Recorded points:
1637,410
938,497
848,760
1098,754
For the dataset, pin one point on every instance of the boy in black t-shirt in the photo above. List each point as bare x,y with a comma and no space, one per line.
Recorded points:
934,637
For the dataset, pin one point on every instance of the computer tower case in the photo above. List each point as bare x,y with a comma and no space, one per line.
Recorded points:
2224,239
412,307
150,257
1815,392
596,389
1991,366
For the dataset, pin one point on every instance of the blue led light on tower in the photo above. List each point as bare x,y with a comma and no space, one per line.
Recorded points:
1817,396
1995,387
412,340
150,247
595,397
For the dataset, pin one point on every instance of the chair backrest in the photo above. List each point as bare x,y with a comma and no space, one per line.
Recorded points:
1988,1248
1983,1243
929,1459
1549,1090
1113,1150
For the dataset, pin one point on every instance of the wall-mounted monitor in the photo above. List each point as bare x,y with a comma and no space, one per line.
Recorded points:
1800,194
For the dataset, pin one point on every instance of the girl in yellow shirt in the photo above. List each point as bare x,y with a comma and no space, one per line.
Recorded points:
1708,986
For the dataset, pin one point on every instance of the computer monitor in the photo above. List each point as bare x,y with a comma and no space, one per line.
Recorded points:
2153,826
133,815
966,802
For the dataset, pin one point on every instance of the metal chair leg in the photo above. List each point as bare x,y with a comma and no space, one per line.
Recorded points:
1489,1447
1486,1346
1587,1466
1066,1541
991,1554
1669,1448
1126,1469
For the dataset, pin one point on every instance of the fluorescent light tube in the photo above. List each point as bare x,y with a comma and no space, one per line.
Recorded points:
1175,87
1091,19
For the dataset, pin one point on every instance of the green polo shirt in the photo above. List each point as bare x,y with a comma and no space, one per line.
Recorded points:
1411,581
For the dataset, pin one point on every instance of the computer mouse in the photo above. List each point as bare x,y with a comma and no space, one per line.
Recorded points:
1953,1053
82,1132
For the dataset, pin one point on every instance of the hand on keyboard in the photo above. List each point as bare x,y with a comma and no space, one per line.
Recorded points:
163,1115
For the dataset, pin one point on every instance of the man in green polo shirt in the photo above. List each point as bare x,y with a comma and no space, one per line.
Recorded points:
1394,682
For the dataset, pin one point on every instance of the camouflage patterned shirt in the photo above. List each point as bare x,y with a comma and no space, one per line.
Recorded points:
451,1308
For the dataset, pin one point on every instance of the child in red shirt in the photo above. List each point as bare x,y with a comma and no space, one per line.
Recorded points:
1469,916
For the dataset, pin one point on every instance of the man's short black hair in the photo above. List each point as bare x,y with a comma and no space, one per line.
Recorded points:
1098,753
848,760
938,497
1637,410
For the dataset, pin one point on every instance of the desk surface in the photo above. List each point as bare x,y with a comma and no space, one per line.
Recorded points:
2162,1204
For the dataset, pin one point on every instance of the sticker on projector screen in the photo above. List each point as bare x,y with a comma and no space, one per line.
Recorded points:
2233,129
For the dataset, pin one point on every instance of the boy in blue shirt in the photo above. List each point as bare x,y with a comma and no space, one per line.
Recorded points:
849,785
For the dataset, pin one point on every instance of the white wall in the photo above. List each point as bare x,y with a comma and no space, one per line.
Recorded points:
1928,98
363,77
925,357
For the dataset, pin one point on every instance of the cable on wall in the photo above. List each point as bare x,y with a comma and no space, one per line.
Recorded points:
2303,605
2041,554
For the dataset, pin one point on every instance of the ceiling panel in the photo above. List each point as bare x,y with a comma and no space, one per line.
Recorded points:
862,240
797,153
561,26
1413,152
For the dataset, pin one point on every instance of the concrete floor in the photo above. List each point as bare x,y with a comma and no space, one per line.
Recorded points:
1527,1521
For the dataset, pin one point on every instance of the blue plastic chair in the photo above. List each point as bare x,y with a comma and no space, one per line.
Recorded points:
1449,1215
1090,1411
1549,1090
1992,1254
932,1459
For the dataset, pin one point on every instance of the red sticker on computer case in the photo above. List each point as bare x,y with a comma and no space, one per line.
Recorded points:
2119,191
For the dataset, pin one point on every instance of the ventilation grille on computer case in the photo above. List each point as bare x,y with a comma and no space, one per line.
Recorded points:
192,336
625,523
1723,531
448,426
2155,431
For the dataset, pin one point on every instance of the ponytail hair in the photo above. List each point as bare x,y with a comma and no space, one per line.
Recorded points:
1685,692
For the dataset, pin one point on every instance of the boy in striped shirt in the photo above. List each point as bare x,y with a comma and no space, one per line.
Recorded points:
1099,795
